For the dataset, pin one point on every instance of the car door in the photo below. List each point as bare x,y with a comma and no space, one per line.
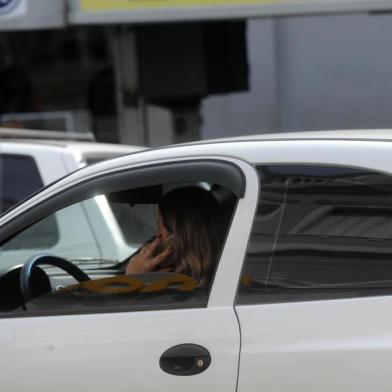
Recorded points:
315,295
126,348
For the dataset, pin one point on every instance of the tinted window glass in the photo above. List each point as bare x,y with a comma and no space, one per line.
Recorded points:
319,232
19,177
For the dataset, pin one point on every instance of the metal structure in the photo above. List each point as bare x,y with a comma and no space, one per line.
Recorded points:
136,11
53,120
32,14
41,14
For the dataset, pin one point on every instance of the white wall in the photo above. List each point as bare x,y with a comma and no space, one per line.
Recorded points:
336,72
320,72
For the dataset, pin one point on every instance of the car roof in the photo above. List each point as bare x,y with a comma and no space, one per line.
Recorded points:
92,148
233,146
88,146
79,145
362,134
83,143
227,146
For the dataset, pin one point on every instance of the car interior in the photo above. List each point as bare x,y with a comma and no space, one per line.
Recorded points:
46,282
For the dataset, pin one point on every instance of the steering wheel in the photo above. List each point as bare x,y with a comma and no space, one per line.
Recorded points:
56,261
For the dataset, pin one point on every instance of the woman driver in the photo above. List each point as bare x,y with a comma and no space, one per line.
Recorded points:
190,217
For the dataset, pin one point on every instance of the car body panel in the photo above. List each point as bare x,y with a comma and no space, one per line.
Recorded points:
118,351
339,345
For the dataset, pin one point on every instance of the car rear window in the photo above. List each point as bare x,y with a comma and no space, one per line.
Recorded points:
320,232
19,178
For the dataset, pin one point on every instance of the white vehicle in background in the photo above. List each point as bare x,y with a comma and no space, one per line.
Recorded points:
30,160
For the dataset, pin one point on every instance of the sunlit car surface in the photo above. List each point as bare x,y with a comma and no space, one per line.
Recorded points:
301,296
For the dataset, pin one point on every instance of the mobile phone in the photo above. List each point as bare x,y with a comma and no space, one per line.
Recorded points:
170,261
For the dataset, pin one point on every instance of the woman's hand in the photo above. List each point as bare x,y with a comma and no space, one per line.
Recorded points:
145,261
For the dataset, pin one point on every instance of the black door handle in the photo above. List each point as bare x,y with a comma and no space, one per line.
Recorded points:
185,360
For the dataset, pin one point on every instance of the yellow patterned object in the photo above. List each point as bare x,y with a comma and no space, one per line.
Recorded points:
128,284
115,5
186,283
113,285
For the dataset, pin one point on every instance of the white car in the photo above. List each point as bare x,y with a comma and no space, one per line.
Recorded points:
30,160
301,296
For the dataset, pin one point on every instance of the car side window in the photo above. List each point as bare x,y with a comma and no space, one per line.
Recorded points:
102,282
19,178
320,232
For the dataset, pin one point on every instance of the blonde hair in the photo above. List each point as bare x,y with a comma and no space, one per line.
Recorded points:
193,216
